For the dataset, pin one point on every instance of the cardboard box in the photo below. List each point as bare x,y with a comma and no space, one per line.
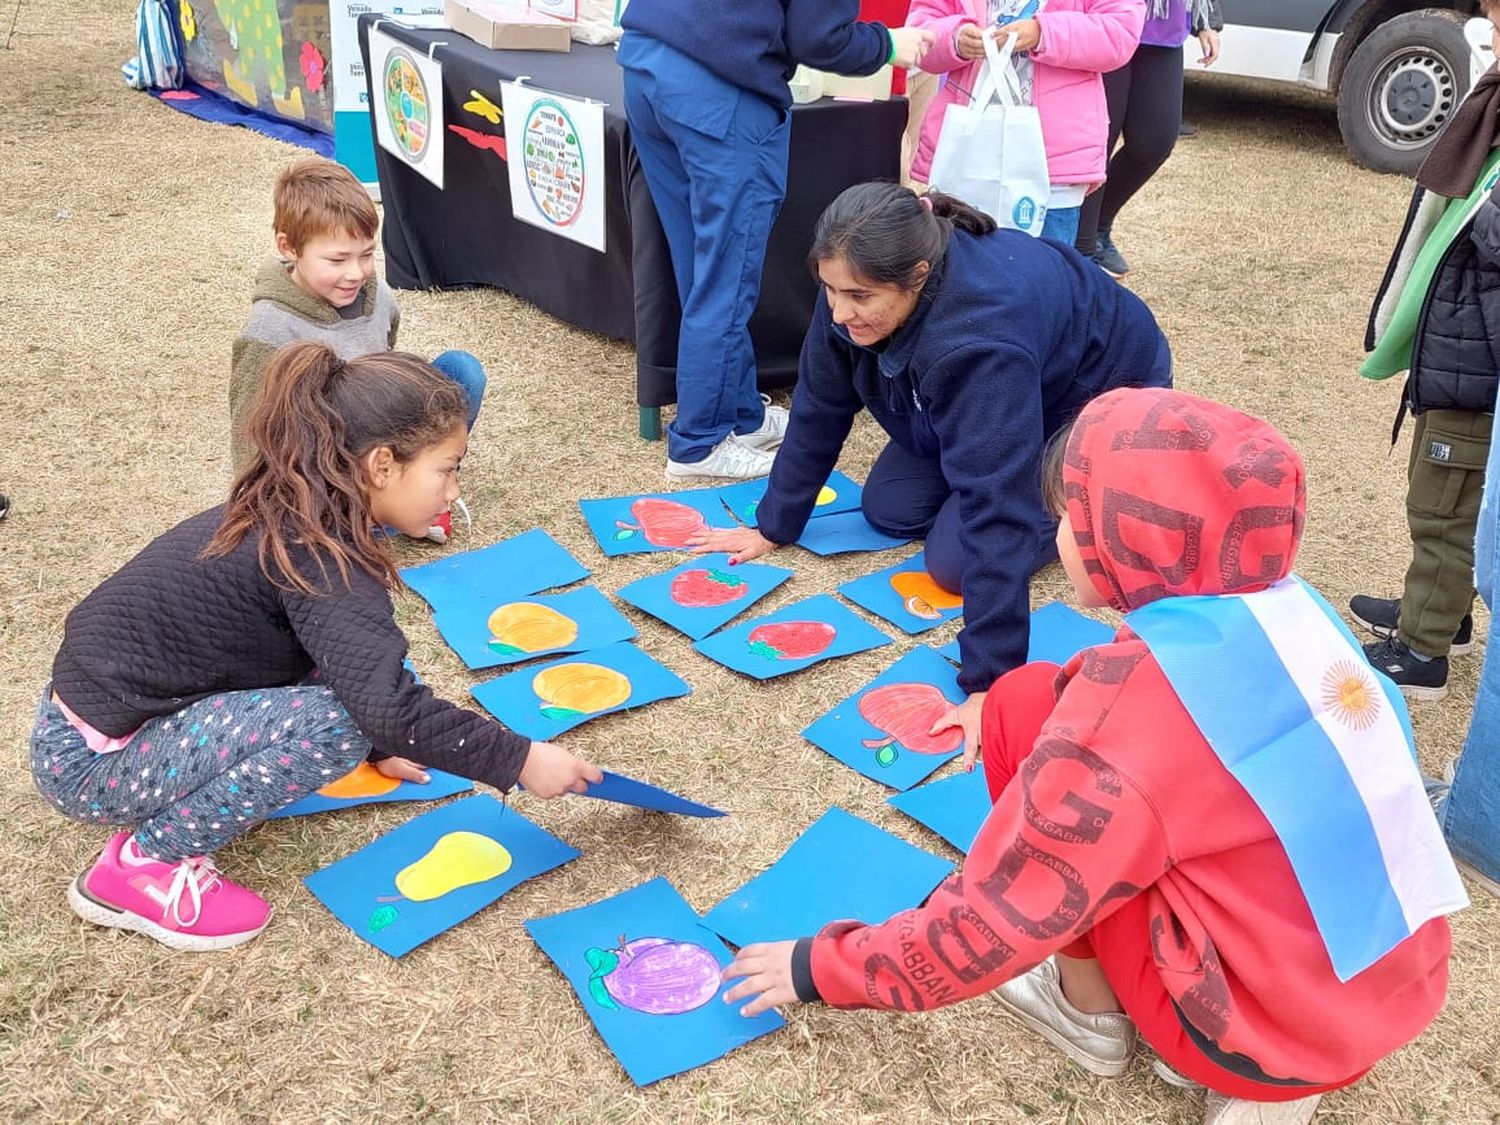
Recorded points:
508,27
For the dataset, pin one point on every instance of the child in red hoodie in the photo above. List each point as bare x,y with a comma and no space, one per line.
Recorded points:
1126,881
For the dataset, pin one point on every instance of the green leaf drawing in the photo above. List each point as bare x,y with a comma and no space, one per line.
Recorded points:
760,648
601,963
886,755
382,917
561,712
502,649
729,580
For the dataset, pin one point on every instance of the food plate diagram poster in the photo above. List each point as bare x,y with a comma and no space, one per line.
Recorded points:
556,164
408,105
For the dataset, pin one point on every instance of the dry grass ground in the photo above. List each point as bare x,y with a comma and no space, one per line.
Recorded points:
131,234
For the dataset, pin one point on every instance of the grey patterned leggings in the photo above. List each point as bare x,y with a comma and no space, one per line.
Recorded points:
192,781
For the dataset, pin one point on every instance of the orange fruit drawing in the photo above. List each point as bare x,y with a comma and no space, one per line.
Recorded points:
364,780
921,596
529,627
570,690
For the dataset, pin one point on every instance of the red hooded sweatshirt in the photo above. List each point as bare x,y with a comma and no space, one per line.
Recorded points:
1118,824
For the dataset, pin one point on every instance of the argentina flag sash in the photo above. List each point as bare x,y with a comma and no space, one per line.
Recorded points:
1278,687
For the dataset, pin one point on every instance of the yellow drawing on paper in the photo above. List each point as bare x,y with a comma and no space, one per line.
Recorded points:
522,627
570,690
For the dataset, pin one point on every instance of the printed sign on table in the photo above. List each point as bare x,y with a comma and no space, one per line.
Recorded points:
556,164
408,105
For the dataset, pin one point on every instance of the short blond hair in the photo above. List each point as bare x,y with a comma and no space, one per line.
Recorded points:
315,197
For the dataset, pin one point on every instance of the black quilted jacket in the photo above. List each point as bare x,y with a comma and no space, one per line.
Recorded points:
1455,362
170,627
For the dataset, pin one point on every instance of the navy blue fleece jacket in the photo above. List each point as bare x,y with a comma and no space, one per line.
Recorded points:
756,44
1010,337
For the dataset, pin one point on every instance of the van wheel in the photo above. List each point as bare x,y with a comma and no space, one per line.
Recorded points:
1401,86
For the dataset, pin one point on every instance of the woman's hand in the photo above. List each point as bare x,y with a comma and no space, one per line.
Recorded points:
741,543
402,769
550,771
965,715
1028,34
766,969
910,44
1208,40
968,43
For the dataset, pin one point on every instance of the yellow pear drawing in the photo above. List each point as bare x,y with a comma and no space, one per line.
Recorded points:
529,627
579,688
826,496
456,860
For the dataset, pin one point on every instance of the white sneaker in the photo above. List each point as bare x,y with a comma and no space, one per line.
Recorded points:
1221,1110
1173,1077
730,458
1101,1044
772,427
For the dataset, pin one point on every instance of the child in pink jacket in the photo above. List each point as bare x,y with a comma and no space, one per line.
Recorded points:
1070,44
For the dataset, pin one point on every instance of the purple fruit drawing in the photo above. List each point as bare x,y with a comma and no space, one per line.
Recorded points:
657,976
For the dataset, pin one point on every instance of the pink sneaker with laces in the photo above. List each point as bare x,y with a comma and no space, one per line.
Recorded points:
184,905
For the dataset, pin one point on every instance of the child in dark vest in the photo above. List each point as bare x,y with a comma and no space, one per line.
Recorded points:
250,655
1210,833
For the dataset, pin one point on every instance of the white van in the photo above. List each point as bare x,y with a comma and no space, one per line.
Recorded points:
1398,69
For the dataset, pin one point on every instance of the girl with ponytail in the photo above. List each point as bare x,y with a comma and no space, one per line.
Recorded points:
970,346
250,655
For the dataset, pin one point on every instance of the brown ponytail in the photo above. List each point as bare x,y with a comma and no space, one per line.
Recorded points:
886,232
314,420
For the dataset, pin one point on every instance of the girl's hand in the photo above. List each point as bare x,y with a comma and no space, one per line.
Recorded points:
911,44
1028,34
767,971
402,769
968,43
965,715
741,543
1208,40
550,771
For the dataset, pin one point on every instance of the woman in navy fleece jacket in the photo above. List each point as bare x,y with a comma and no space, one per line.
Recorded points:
971,346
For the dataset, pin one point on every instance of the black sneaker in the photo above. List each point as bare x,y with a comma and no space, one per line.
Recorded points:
1379,616
1108,258
1425,680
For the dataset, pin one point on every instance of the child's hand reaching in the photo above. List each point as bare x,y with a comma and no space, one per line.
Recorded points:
767,971
402,769
550,771
909,45
741,543
965,715
968,43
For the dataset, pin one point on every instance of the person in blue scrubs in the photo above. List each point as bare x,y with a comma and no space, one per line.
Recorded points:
709,109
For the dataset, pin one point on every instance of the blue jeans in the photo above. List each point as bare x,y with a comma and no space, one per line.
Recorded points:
468,373
1470,815
714,157
1061,224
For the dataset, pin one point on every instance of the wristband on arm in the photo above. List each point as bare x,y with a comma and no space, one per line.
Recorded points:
891,60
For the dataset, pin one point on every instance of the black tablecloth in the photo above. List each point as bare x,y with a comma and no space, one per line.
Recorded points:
466,235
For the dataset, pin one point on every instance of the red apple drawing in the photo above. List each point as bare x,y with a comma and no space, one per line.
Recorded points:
703,589
906,712
791,640
664,523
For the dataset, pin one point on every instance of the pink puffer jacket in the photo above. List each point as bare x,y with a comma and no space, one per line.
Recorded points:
1081,40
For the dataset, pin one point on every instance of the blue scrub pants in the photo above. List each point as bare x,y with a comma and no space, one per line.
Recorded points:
908,495
715,158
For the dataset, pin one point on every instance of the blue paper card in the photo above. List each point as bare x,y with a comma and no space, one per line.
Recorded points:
844,532
487,634
647,973
366,785
840,494
655,521
433,872
1058,633
842,867
511,568
703,593
881,730
544,701
953,807
796,637
905,595
624,790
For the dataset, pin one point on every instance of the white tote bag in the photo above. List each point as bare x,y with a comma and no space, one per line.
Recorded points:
990,153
